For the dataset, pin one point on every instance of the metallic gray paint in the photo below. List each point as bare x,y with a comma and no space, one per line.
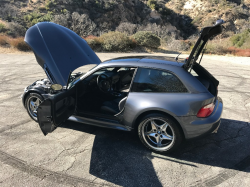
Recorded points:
191,83
195,126
183,107
99,122
178,105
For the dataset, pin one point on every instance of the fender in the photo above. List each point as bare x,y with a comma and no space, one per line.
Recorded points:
37,90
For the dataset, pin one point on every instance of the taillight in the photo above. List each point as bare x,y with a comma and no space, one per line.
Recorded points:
206,111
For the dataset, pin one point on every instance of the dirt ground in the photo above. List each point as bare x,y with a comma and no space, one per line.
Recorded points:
82,155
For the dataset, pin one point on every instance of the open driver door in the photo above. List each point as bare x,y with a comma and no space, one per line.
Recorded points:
55,110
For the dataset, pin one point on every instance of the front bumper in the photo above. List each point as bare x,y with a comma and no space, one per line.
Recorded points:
195,127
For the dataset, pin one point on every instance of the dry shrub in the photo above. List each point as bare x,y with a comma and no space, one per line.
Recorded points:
93,41
115,41
176,45
19,44
239,52
133,43
219,47
15,29
3,40
147,39
213,48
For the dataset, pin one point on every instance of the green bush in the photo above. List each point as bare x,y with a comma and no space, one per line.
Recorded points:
50,4
115,41
64,11
239,39
152,4
36,17
147,39
246,44
32,16
2,27
46,17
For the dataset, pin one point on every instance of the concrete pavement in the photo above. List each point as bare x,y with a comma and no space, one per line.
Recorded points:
82,155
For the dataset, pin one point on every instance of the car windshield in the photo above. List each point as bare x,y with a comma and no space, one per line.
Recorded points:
76,74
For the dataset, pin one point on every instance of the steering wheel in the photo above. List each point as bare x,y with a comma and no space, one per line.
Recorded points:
104,83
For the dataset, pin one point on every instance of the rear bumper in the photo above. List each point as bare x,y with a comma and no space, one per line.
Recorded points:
195,127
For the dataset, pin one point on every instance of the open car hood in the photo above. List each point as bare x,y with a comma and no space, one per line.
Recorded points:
206,34
59,50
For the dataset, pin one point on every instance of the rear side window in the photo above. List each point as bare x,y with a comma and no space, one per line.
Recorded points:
152,80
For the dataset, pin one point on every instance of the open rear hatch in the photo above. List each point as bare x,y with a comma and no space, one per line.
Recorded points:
206,34
190,64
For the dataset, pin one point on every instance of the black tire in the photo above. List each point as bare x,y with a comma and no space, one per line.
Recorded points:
27,103
177,135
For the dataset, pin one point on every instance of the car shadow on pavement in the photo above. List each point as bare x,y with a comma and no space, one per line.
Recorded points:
120,158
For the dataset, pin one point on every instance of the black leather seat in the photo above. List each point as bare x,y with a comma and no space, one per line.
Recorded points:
114,106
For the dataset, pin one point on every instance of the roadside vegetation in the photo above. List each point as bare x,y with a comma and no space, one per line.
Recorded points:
238,44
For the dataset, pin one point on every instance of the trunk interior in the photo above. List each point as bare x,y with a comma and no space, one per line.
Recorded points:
205,78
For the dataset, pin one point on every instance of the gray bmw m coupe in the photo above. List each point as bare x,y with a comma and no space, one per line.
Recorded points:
164,100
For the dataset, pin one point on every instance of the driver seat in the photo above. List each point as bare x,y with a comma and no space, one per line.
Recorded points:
114,106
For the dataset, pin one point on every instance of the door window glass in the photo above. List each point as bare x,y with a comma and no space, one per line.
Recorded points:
152,80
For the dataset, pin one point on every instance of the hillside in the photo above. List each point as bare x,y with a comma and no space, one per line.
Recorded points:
171,20
236,13
94,17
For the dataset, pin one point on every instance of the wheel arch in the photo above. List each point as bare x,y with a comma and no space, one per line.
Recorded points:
32,91
138,119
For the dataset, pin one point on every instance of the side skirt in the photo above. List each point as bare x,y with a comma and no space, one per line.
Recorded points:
101,122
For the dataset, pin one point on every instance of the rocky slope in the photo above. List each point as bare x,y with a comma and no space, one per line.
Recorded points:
177,18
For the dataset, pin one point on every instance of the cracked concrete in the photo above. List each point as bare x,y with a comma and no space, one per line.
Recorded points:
82,155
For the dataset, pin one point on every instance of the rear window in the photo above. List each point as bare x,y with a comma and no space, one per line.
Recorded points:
152,80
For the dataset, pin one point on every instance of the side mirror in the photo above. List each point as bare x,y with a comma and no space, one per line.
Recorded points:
56,87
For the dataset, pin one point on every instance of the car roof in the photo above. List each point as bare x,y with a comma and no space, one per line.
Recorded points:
159,62
144,61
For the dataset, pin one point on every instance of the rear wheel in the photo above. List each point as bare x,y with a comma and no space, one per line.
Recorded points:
33,100
159,133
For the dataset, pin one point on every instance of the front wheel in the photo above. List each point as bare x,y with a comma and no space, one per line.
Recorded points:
32,101
159,133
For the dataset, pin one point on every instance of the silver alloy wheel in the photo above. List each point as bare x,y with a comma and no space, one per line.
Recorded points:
32,105
158,134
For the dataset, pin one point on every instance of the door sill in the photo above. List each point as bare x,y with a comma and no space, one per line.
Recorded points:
101,122
96,115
